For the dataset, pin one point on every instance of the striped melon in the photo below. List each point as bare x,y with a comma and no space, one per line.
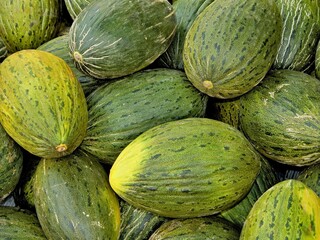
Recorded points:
43,107
137,223
73,199
186,11
186,168
74,7
122,109
281,117
11,161
196,228
300,34
231,46
288,210
16,224
59,46
26,24
114,38
311,177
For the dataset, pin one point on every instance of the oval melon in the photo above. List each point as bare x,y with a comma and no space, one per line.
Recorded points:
43,107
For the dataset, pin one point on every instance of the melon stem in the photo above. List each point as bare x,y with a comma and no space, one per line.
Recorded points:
77,57
61,147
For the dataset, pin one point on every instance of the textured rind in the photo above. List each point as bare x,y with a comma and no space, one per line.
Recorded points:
288,210
73,199
281,117
224,55
11,161
3,50
74,7
197,228
111,39
18,223
225,110
186,11
311,177
265,179
300,34
186,168
27,24
42,103
122,109
136,223
59,46
317,61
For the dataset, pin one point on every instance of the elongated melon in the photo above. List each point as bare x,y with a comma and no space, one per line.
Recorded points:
43,107
186,168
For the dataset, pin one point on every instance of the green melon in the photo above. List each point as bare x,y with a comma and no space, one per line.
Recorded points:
300,34
27,24
43,107
311,177
224,55
288,210
186,168
59,46
136,223
266,179
74,7
196,228
122,109
281,117
73,199
114,38
11,162
16,224
186,11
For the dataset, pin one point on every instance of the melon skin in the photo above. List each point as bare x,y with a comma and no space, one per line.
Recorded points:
287,210
281,117
186,168
111,39
26,24
73,199
224,56
11,163
43,106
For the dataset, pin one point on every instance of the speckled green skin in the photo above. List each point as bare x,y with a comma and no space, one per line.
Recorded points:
16,224
74,7
59,46
118,37
224,55
73,199
266,179
196,228
122,109
25,24
288,210
311,177
300,34
11,160
186,168
42,103
281,117
136,223
186,11
225,110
